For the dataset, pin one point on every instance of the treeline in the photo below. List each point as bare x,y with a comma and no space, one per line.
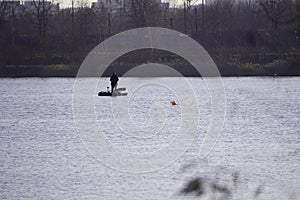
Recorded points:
240,35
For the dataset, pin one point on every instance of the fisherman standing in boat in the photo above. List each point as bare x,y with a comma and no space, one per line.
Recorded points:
114,82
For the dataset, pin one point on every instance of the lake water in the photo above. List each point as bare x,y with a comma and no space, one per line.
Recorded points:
44,156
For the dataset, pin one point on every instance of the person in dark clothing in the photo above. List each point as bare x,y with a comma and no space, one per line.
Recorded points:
114,81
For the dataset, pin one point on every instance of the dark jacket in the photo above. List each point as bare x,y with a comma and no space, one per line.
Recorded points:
114,79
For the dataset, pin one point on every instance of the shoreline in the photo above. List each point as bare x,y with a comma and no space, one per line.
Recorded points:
276,68
73,77
73,74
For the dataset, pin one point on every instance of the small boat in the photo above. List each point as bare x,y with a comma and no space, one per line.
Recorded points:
104,93
117,92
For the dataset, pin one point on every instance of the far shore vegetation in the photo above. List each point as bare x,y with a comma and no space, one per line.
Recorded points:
244,38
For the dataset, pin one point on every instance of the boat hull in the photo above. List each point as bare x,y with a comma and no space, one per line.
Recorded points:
117,92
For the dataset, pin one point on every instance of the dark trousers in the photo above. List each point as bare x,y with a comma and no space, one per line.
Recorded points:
113,87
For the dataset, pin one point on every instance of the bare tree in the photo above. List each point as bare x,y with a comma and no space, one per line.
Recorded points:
277,11
3,7
143,12
42,12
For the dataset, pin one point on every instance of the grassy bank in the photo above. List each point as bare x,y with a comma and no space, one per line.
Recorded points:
231,65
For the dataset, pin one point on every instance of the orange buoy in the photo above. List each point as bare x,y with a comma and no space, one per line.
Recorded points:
173,103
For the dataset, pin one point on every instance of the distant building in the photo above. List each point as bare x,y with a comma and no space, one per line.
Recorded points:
114,6
32,6
165,5
9,8
95,5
